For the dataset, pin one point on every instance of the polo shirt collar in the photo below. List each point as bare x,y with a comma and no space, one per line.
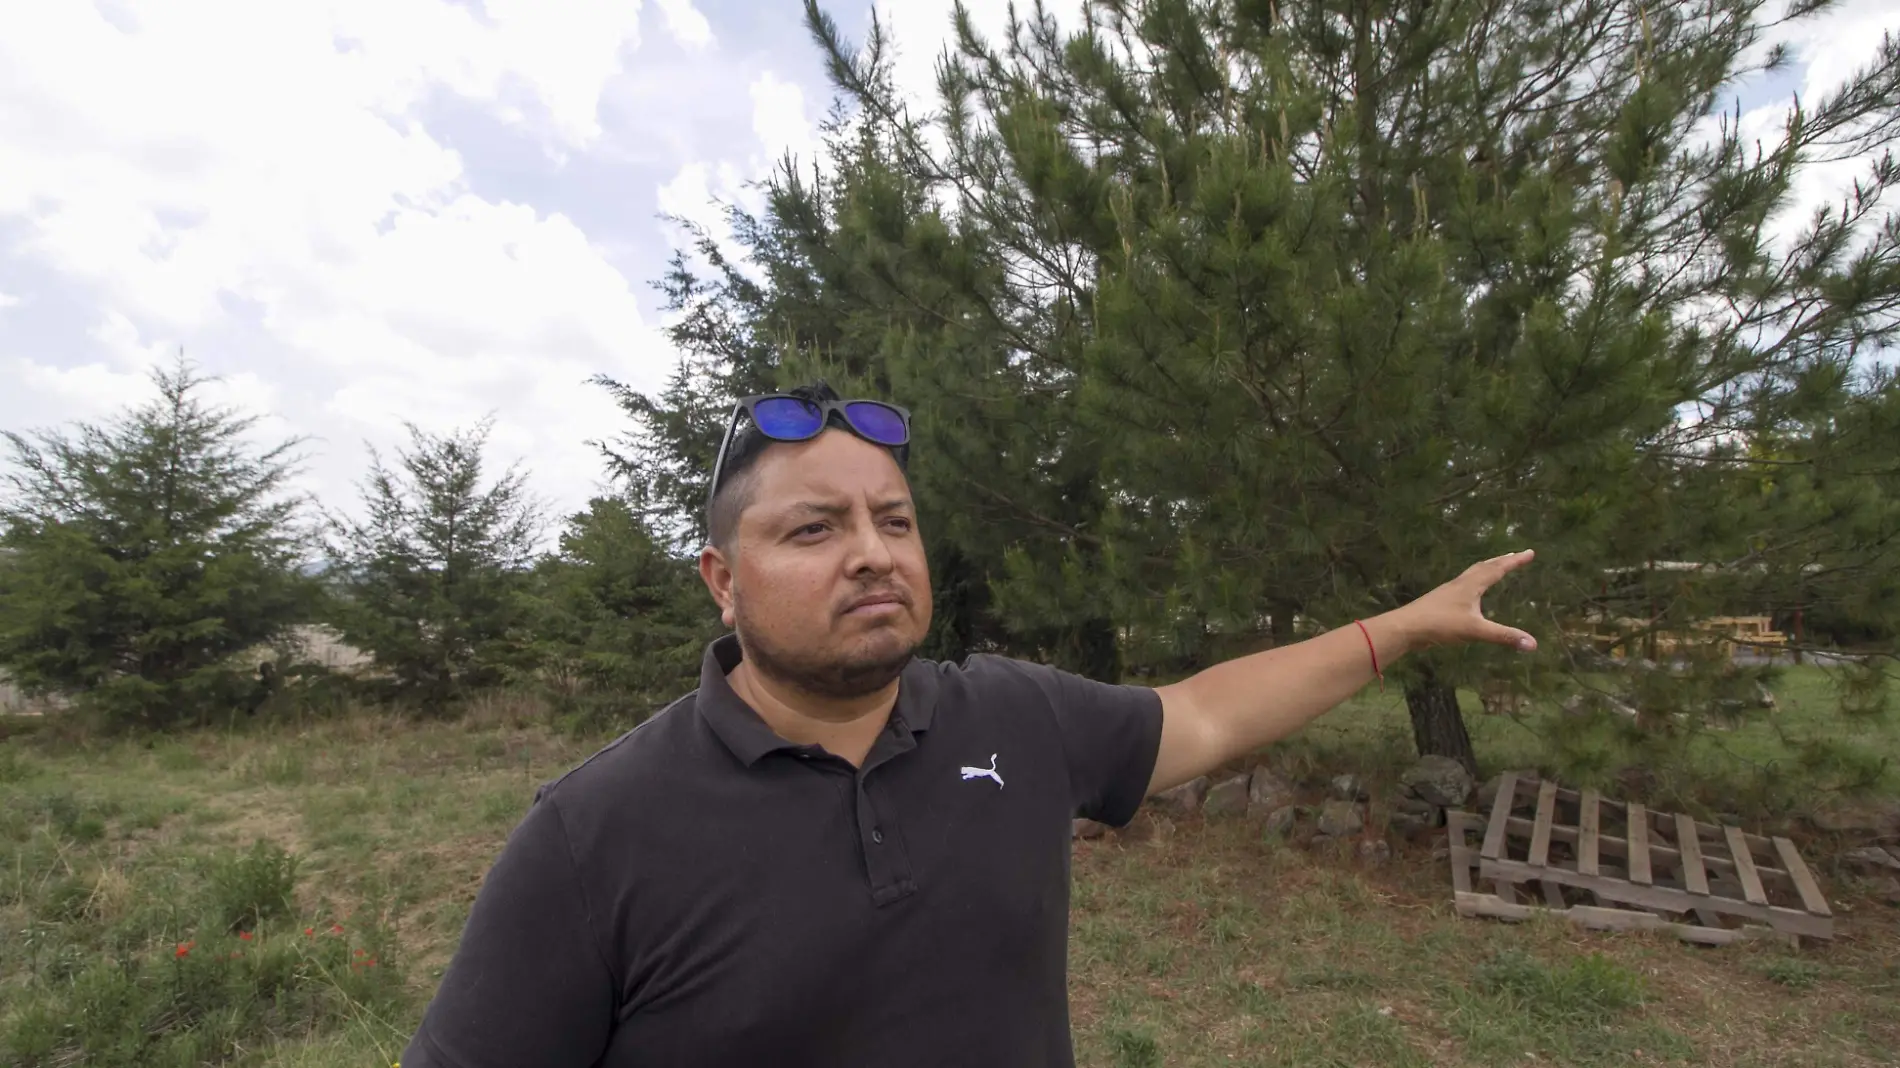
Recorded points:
744,732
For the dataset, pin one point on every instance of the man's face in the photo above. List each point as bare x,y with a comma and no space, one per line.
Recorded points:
826,585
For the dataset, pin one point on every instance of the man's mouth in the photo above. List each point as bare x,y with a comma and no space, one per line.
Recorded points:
875,603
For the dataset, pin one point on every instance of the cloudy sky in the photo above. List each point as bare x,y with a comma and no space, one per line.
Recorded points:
361,212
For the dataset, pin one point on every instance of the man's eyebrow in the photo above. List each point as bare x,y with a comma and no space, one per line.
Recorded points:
826,508
832,508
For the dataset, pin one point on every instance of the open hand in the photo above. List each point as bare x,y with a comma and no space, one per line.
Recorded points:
1454,612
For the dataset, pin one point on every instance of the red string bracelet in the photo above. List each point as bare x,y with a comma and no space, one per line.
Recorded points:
1374,650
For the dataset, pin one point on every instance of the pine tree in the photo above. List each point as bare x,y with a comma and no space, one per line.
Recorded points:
431,580
842,280
618,619
143,553
1323,301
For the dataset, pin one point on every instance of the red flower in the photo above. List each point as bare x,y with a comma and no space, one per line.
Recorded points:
310,932
244,936
370,963
359,952
183,948
336,928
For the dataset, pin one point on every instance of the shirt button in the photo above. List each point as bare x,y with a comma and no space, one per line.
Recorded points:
877,836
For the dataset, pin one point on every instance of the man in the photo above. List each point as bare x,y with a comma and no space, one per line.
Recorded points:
834,853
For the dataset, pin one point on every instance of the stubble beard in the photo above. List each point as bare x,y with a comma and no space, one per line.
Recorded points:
837,678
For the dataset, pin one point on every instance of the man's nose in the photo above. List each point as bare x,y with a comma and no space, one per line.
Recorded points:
869,551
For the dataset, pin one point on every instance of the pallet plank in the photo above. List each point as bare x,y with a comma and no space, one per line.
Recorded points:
1610,847
1461,859
1567,795
1745,867
1811,898
1500,816
1607,919
1693,874
1664,898
1587,834
1540,834
1639,844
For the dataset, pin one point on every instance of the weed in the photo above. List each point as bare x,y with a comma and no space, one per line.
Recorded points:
202,1001
1792,972
503,807
1134,1049
16,765
251,887
1589,989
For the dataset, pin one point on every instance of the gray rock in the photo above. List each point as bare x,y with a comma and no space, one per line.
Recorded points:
1871,860
1439,780
1339,819
1488,793
1765,697
1228,798
1182,800
1888,890
1348,788
1267,792
1375,852
1087,829
1879,819
1277,823
1411,823
1415,805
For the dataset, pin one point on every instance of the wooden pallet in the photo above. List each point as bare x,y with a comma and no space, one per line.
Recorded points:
1612,865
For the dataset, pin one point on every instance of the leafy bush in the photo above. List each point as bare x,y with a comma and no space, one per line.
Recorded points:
252,887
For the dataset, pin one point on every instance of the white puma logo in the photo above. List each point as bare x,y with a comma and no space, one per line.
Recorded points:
985,773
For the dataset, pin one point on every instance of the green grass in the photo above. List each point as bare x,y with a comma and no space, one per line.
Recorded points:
1767,766
1212,946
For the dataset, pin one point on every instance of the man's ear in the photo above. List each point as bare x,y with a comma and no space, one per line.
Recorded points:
716,571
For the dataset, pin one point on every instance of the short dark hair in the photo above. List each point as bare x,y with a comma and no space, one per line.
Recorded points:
742,456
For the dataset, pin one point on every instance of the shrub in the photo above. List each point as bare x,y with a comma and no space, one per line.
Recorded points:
252,887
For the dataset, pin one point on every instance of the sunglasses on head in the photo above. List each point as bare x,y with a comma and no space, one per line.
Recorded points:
783,417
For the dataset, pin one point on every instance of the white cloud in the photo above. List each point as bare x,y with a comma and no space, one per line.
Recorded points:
89,391
8,300
685,22
1829,49
779,119
923,29
220,154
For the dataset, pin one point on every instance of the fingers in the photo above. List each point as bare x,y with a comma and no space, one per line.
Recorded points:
1510,562
1490,572
1499,634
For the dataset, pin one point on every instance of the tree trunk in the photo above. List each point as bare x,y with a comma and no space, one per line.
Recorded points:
1438,727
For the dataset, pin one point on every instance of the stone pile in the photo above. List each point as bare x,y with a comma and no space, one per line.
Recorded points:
1426,790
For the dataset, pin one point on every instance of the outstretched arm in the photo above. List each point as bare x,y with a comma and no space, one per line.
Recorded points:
1234,708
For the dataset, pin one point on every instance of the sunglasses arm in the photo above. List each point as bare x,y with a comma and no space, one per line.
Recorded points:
719,460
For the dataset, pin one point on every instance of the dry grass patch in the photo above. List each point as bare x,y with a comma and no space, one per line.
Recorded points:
1216,947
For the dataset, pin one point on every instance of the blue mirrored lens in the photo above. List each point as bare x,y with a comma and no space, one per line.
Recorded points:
878,422
787,417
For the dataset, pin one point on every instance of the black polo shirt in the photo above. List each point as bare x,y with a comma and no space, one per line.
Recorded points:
703,893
